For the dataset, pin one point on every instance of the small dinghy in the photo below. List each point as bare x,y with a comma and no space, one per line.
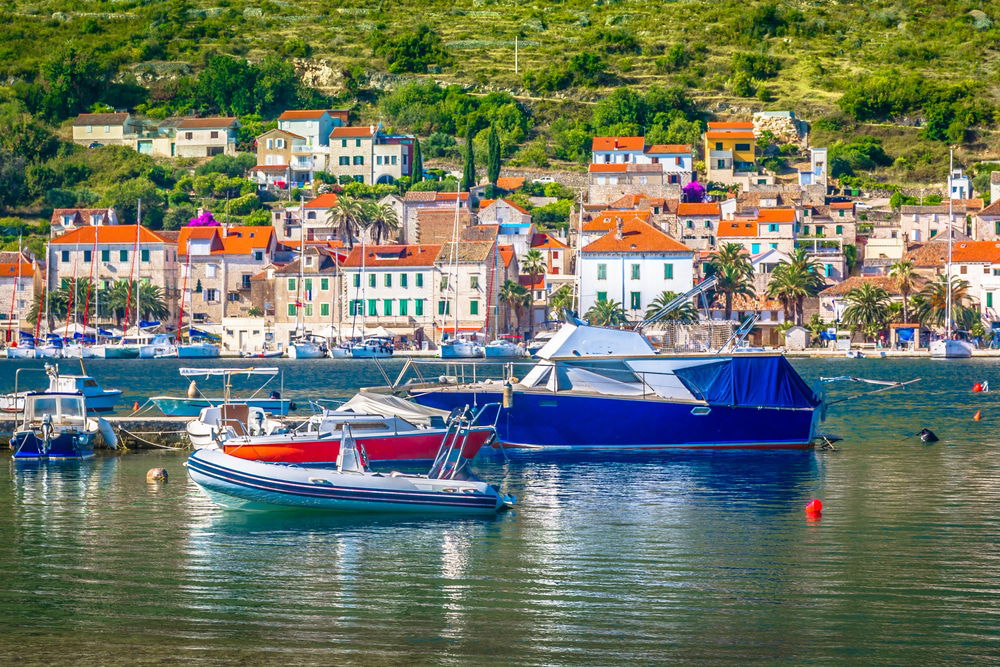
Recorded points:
449,486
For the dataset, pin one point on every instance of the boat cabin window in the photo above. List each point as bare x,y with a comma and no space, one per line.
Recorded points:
89,383
44,406
71,407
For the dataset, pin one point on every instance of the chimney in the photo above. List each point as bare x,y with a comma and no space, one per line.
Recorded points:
371,128
619,231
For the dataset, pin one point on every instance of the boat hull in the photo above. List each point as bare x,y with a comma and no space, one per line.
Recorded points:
191,407
418,447
21,353
502,352
28,446
950,349
197,351
305,351
121,352
573,422
460,351
248,485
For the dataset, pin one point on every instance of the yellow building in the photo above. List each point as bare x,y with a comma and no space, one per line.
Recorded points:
731,154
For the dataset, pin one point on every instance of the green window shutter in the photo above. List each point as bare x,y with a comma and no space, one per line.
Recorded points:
418,307
602,296
387,307
307,284
291,310
403,307
635,272
474,307
635,299
87,256
829,270
388,280
106,254
668,271
373,307
357,280
324,309
754,248
774,246
371,280
441,307
402,280
309,310
357,143
144,255
420,280
291,284
602,271
123,255
324,284
989,299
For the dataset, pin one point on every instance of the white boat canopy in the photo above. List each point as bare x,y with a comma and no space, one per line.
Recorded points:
392,406
206,372
585,341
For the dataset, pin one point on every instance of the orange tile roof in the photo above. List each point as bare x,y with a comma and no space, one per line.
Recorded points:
507,254
629,202
737,228
539,283
394,256
889,284
116,234
510,183
772,215
200,234
637,236
329,200
244,240
619,143
365,132
486,203
842,204
606,220
729,135
270,167
730,125
670,149
205,123
698,209
976,251
547,242
278,130
309,114
17,270
607,168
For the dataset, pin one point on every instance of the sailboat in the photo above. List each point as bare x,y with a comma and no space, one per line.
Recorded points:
464,347
372,347
201,348
947,348
304,346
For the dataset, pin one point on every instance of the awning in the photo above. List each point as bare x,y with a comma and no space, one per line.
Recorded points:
452,329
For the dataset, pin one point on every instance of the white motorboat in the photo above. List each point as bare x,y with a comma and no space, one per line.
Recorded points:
97,399
373,347
951,349
342,351
198,351
503,348
460,348
22,352
307,347
54,426
217,424
160,347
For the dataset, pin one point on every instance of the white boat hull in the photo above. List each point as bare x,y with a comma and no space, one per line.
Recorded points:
157,351
197,351
951,349
460,350
305,351
22,353
503,351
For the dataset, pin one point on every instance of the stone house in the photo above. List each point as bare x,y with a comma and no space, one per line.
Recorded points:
18,281
106,129
502,212
206,137
368,155
67,219
309,296
309,220
468,288
697,224
413,201
283,159
313,125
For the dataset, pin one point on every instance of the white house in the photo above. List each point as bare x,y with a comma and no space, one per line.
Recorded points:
314,125
978,263
633,264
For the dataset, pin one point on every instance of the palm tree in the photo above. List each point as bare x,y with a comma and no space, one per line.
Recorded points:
905,276
930,304
382,221
533,264
346,218
115,300
793,281
151,302
514,297
560,301
733,273
867,310
686,313
606,314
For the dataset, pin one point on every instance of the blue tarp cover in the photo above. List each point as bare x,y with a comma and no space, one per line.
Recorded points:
769,382
905,335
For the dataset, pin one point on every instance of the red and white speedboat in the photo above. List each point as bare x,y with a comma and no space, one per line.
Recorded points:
386,428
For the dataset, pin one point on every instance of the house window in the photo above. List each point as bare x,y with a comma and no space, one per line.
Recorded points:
87,256
774,246
324,284
90,129
829,270
343,143
402,280
291,310
474,282
393,158
474,307
718,145
378,159
371,280
373,307
708,224
387,307
211,295
404,308
359,159
258,256
690,224
270,144
754,248
291,284
963,269
189,135
246,281
839,230
933,232
144,255
602,296
635,300
420,279
840,213
387,281
819,230
324,310
742,147
805,230
307,286
344,160
805,213
214,134
444,282
772,228
105,255
444,308
65,256
721,164
668,271
989,299
602,271
107,129
359,179
357,143
309,309
418,307
355,307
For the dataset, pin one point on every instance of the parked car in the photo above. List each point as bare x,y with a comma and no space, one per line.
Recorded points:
544,179
95,144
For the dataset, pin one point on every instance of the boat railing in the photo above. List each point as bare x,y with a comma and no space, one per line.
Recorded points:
464,371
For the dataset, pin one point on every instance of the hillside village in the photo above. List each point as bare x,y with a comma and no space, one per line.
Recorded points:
651,222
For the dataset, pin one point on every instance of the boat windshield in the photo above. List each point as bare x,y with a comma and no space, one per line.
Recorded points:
71,406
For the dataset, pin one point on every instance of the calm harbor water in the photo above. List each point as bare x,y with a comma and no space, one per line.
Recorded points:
680,557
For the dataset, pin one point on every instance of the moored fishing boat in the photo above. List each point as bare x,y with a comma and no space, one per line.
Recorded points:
192,404
373,347
55,426
503,348
97,399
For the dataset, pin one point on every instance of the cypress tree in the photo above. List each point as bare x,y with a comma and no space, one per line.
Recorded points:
493,159
469,172
417,168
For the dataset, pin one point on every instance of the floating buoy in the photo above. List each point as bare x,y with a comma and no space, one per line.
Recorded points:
814,507
976,388
135,406
927,435
978,416
156,475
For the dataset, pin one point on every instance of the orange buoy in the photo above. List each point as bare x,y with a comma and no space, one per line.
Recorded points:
135,406
814,507
978,416
976,388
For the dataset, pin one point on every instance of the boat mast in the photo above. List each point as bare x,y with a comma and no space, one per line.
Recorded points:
577,296
138,268
180,309
299,306
454,257
90,285
71,306
951,232
17,282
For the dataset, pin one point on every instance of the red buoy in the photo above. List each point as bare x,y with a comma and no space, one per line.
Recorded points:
135,406
976,388
978,416
814,507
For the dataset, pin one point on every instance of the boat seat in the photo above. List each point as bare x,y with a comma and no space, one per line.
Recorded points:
235,417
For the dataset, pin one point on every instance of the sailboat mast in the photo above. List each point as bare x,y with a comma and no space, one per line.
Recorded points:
138,268
577,296
951,232
17,283
299,306
180,309
454,256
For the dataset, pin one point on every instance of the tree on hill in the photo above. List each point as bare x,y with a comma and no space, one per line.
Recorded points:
493,157
412,51
469,169
417,167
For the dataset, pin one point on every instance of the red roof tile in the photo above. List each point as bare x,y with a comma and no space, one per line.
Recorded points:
729,135
698,209
772,215
607,168
486,203
737,228
204,123
365,132
619,143
309,114
270,167
116,234
976,252
637,236
668,149
329,200
17,270
507,253
391,256
547,242
526,283
510,183
842,205
607,220
730,125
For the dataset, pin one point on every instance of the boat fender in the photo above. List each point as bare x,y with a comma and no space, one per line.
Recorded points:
156,475
508,395
927,435
292,406
107,432
193,390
